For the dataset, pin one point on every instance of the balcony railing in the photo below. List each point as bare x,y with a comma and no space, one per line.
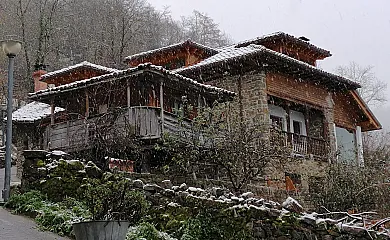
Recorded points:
300,144
141,121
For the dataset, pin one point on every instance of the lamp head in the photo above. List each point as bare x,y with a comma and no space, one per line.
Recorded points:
11,47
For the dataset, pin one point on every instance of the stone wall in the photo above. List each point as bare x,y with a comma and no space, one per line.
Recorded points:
31,176
250,105
264,218
24,137
330,117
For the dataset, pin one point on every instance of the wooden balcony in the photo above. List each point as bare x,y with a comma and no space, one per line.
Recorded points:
141,122
301,145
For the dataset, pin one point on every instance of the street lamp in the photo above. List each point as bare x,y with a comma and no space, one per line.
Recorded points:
11,48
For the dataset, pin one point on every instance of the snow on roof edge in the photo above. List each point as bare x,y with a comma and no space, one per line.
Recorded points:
237,52
188,41
82,64
269,51
85,82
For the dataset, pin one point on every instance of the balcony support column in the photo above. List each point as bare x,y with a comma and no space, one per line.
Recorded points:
86,104
359,146
128,94
52,108
290,137
162,106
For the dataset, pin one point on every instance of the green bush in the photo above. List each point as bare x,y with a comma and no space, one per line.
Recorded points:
215,226
59,217
54,217
144,231
169,219
113,199
28,203
63,179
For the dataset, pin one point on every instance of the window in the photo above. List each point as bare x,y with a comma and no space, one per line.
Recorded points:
277,117
297,127
346,145
297,123
276,122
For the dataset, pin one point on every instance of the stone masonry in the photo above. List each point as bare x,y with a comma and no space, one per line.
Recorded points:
250,103
251,107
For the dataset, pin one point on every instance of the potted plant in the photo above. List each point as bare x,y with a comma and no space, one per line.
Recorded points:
114,207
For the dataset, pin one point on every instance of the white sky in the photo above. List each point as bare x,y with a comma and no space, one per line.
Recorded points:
353,30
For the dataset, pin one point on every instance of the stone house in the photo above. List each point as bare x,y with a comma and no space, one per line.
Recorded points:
274,78
277,81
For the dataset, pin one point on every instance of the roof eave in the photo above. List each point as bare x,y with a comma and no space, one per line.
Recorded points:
348,84
376,125
125,73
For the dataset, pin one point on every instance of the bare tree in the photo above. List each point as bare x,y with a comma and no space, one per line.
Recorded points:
202,28
60,33
211,146
373,89
377,149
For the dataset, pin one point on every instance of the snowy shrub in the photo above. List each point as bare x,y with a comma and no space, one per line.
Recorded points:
146,231
54,217
216,226
351,187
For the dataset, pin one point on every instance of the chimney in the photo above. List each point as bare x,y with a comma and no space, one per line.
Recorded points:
39,71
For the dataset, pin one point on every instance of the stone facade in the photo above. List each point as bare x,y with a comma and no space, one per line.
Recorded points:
250,105
329,116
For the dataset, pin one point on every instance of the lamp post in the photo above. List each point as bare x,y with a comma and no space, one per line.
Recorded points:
11,48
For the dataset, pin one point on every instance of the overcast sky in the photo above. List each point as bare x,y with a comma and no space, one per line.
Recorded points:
353,30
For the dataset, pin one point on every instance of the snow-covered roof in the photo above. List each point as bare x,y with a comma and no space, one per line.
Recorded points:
232,53
276,35
169,48
79,65
123,73
33,111
225,54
